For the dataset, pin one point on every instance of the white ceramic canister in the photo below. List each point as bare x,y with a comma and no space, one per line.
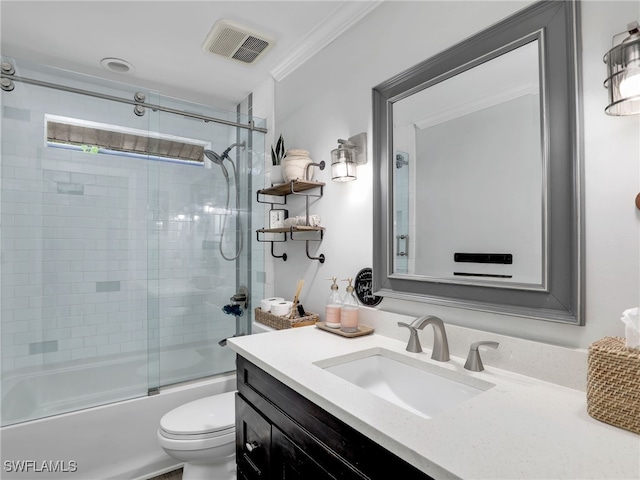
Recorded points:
294,165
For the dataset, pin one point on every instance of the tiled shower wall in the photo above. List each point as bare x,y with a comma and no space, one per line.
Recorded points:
105,255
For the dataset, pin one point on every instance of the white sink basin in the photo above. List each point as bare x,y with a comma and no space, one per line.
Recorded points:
421,389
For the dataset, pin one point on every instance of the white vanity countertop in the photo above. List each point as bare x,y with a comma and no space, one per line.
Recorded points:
521,428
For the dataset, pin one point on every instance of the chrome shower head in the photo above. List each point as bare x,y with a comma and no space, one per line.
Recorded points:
218,159
214,157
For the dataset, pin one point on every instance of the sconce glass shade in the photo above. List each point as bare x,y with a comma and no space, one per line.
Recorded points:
623,81
343,164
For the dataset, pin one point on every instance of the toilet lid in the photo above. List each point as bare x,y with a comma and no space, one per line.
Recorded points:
206,415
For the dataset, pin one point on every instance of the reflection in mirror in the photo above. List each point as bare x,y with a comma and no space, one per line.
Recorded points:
403,211
477,190
477,176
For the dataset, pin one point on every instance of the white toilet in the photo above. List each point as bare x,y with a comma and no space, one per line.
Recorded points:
202,434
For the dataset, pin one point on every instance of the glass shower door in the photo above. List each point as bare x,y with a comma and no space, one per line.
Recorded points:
74,313
201,242
112,278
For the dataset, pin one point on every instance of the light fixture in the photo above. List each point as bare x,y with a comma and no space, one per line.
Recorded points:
623,70
117,65
347,156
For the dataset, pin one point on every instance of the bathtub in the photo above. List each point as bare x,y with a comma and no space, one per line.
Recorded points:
114,441
39,392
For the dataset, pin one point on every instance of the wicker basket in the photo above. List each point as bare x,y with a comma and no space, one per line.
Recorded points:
280,323
613,383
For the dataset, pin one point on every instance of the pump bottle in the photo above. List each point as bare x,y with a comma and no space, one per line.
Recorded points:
334,304
349,310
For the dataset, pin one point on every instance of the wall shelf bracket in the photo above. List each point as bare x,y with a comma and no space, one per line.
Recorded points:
320,258
283,256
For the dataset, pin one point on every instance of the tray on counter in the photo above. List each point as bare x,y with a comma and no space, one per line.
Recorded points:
362,330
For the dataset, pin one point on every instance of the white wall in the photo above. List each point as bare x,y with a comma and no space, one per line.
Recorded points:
329,97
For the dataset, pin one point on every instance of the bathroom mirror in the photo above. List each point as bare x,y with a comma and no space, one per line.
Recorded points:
497,106
477,186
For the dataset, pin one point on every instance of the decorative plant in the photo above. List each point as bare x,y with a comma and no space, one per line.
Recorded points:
278,154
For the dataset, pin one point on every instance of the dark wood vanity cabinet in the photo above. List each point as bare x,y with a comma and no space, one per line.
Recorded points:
282,435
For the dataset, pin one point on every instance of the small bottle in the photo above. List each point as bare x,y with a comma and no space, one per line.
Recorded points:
334,304
349,310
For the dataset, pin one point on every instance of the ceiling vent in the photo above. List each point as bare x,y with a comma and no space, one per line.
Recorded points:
236,42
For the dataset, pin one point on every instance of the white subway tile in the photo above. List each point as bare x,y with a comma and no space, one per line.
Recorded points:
81,353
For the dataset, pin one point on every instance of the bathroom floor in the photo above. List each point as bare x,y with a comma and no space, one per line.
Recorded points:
175,475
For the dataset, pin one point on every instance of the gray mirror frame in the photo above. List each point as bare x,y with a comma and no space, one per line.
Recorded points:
555,24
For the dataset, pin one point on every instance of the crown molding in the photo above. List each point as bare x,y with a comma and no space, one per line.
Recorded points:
346,15
480,104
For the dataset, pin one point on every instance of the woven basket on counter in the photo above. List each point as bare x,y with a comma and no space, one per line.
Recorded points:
280,323
613,383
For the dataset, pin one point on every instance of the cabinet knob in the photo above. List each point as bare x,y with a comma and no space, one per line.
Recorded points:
250,447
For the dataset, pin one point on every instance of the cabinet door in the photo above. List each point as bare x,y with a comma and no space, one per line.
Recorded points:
309,441
253,439
290,462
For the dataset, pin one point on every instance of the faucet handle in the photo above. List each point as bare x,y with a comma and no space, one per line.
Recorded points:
474,362
475,345
414,342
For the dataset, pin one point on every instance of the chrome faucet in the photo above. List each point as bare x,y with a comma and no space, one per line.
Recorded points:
440,343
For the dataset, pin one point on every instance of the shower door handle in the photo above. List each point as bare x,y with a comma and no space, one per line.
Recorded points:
404,253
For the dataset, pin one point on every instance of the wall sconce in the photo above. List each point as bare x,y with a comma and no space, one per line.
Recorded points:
623,70
347,156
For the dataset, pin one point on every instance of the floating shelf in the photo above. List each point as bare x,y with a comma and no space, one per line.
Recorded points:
293,187
296,187
298,228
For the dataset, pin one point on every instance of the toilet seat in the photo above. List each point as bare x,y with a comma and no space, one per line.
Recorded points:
197,436
190,444
208,417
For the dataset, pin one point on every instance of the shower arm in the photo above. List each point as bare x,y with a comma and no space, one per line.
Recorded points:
225,154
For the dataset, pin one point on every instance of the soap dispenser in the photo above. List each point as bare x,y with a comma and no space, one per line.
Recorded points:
334,304
349,310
